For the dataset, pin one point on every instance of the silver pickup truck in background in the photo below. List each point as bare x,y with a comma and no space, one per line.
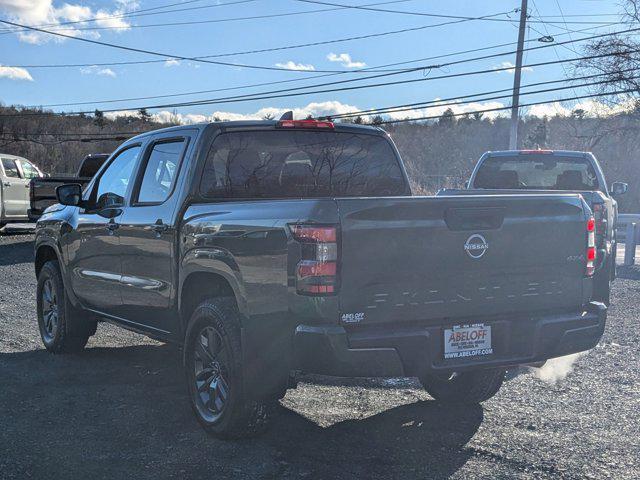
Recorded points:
15,175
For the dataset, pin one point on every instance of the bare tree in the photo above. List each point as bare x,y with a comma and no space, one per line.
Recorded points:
618,57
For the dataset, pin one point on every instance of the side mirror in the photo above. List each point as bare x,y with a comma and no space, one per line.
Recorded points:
619,188
69,194
466,184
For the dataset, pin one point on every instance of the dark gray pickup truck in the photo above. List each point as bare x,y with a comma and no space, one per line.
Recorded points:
265,249
549,171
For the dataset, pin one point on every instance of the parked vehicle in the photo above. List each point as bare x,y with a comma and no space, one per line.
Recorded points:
42,190
15,174
269,248
539,171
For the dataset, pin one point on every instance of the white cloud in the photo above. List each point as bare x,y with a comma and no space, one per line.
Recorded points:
315,109
345,60
44,12
511,68
95,70
15,73
335,107
591,108
291,65
172,62
436,110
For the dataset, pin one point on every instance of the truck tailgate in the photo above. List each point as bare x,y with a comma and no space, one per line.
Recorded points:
413,259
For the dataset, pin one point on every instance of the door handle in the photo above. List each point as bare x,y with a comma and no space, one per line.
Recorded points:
160,227
7,184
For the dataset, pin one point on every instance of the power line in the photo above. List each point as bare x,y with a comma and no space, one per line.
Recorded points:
252,17
256,96
496,109
124,136
275,93
136,13
453,101
68,134
435,103
385,10
243,99
289,47
158,54
200,59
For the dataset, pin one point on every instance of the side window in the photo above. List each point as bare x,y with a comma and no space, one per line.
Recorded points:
113,183
29,170
10,168
160,171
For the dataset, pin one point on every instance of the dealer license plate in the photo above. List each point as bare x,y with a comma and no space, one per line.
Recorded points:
467,341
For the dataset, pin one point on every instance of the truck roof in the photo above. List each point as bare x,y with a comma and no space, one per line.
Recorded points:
564,153
241,124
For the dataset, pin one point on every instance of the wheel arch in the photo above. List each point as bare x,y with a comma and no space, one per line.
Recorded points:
198,285
44,253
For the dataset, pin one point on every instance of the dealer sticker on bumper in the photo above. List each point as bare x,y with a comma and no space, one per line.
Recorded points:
467,341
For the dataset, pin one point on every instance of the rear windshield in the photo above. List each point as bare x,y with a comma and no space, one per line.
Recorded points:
536,171
286,164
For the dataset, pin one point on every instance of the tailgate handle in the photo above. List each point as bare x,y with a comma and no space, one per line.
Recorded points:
474,218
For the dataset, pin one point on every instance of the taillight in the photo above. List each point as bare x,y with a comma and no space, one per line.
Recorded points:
305,124
591,246
317,271
600,216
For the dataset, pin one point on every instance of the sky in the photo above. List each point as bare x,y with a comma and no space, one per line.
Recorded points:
221,27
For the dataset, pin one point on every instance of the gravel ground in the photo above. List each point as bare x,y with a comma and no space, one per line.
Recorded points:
119,410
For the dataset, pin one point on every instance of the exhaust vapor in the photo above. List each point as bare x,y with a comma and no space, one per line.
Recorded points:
556,369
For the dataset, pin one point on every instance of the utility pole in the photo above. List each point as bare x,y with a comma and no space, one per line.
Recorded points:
515,100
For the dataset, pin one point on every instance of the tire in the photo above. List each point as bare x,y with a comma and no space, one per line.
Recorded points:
63,328
214,373
465,387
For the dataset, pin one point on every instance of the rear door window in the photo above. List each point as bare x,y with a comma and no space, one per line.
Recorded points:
160,171
29,170
294,164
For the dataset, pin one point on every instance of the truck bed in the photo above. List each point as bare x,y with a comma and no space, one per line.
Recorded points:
42,192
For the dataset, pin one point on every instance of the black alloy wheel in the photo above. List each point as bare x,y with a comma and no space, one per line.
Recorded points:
211,373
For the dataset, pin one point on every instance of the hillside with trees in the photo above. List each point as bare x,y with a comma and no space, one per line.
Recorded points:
438,153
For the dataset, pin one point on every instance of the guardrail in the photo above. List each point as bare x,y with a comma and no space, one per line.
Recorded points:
625,219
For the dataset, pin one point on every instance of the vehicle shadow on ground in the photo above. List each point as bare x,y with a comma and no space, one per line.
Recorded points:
17,252
123,412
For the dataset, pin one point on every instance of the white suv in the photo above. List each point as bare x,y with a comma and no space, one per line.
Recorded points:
15,175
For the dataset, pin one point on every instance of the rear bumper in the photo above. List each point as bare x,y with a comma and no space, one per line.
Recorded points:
415,350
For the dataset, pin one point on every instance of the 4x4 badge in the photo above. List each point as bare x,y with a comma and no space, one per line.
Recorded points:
476,246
